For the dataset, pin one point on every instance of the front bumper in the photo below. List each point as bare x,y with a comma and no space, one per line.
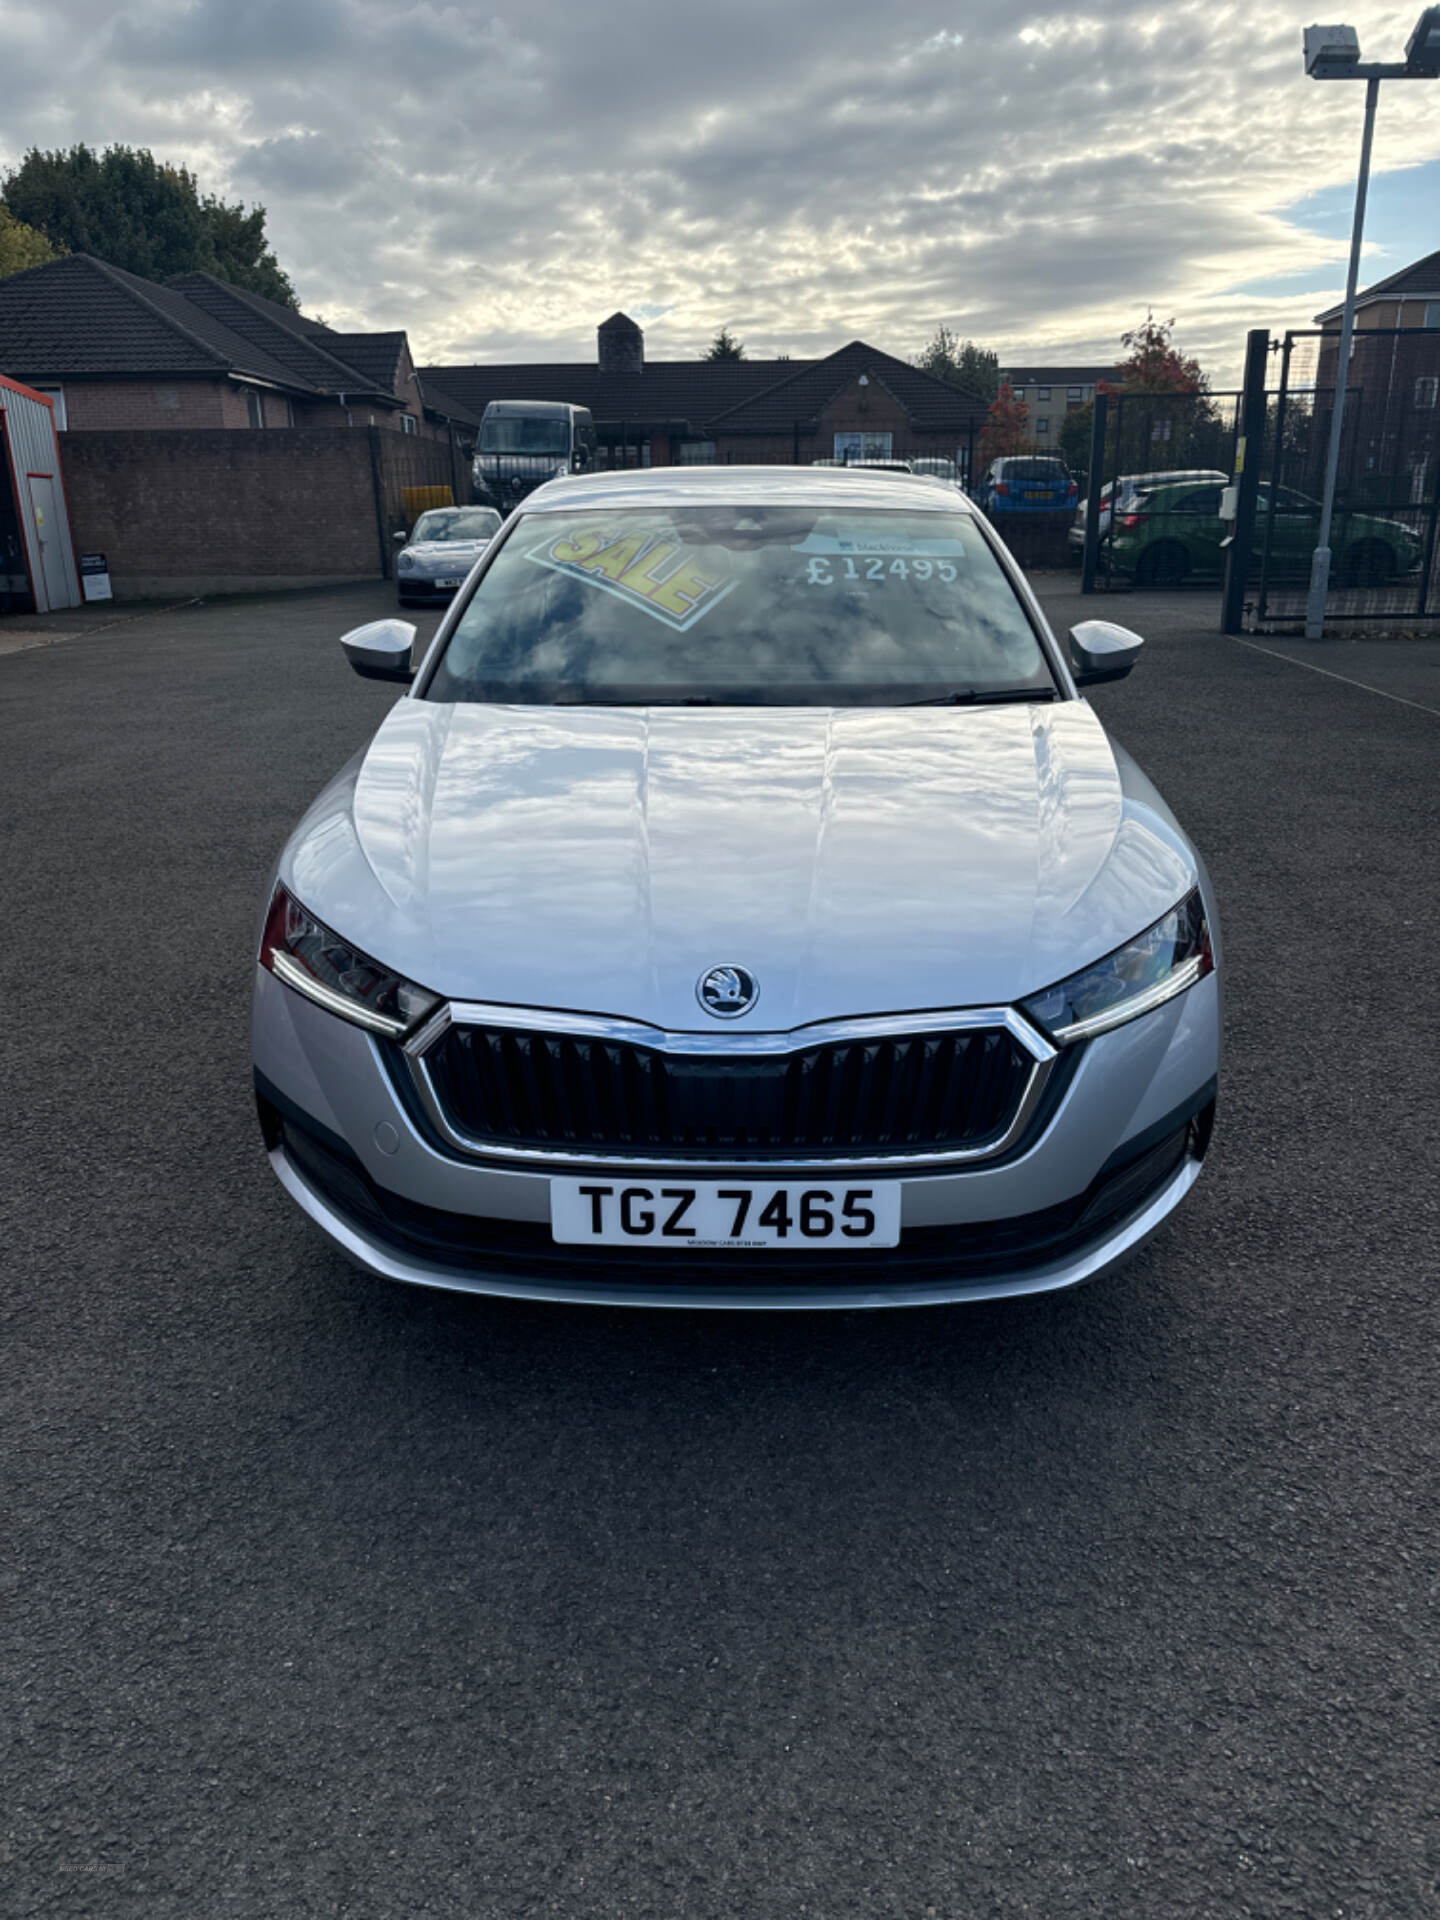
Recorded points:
1110,1161
414,586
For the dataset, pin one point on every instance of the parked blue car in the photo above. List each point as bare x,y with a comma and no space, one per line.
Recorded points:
1026,483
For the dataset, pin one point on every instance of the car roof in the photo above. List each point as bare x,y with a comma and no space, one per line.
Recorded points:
1188,483
739,486
1172,477
532,406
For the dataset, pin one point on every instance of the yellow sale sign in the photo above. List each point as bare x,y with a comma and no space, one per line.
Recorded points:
652,570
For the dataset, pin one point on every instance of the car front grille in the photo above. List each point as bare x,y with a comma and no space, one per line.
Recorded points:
514,1250
578,1095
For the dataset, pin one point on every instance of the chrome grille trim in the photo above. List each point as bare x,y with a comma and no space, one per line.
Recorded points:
797,1040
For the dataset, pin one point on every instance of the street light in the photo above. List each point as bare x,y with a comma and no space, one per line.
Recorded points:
1333,53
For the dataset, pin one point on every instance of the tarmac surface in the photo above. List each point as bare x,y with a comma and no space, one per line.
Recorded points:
323,1597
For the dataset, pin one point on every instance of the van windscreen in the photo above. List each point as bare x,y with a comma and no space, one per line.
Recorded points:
525,433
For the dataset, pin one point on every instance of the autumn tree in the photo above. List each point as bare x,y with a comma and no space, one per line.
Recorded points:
961,363
1187,433
137,212
725,347
22,246
1154,364
1007,426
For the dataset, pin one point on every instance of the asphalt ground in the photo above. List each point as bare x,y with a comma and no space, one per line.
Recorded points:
325,1597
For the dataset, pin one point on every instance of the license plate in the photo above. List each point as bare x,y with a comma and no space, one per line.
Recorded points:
747,1215
447,583
1037,493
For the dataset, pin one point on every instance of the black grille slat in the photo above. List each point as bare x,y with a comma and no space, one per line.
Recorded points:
892,1094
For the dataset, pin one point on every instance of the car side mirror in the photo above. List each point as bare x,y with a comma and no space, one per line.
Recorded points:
381,650
397,536
1099,650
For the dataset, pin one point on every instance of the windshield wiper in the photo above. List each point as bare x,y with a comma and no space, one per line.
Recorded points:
972,696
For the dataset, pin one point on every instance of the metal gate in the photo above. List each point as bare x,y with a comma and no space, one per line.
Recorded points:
1159,463
1387,499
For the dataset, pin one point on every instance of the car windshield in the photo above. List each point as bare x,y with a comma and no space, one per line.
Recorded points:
457,523
525,433
743,606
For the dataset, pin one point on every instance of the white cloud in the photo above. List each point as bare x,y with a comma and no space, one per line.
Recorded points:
498,182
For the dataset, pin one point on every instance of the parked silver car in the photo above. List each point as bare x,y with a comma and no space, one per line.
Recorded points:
444,544
742,907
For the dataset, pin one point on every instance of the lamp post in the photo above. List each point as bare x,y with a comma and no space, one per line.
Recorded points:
1333,53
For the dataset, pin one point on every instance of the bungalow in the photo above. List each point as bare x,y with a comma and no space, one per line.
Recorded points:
110,349
855,403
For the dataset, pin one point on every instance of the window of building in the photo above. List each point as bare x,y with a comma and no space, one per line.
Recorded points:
697,453
1019,392
168,399
1427,389
56,397
1042,393
864,446
255,407
1075,393
1432,313
1042,425
408,424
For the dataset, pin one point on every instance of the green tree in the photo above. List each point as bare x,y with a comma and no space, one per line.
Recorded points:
127,207
961,362
725,347
1075,431
22,246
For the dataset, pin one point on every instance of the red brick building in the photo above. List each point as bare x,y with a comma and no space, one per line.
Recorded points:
114,351
1391,449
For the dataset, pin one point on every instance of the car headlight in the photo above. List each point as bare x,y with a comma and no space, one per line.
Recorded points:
407,563
1143,974
307,956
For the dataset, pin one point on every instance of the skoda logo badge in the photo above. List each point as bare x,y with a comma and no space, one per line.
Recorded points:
727,992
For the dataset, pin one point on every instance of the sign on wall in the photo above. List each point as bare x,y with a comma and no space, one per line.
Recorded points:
95,576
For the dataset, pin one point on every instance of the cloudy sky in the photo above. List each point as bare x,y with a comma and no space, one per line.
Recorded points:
498,178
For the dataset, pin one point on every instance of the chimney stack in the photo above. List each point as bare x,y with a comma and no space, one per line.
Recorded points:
622,345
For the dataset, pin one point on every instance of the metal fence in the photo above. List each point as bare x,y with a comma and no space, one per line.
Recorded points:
1385,567
1158,465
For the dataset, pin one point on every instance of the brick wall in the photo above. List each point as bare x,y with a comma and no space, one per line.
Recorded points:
218,512
101,405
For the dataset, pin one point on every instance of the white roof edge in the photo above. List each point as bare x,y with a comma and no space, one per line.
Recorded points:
762,486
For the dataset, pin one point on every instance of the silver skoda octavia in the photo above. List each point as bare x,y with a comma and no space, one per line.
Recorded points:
742,907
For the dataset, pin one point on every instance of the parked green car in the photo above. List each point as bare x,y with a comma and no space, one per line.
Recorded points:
1174,534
